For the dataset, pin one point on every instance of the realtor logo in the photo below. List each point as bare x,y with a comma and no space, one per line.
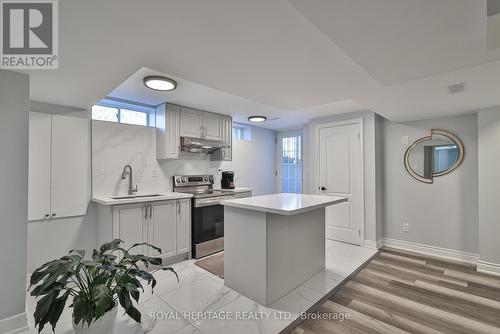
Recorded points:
29,34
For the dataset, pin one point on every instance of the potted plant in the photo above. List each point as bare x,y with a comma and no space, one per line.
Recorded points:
95,286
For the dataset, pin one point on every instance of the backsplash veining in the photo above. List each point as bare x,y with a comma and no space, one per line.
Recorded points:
115,145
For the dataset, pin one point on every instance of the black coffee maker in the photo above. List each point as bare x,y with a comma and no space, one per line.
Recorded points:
227,181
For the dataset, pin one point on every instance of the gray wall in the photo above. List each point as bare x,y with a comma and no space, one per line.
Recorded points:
443,214
14,106
370,167
489,185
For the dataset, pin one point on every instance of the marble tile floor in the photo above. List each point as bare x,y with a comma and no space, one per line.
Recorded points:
200,301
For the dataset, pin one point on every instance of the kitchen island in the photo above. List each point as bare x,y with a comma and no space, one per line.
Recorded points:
274,243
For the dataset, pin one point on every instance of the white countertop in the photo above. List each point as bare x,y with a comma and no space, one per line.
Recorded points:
163,197
284,203
236,190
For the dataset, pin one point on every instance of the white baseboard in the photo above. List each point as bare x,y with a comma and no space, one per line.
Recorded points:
488,268
15,324
372,244
444,253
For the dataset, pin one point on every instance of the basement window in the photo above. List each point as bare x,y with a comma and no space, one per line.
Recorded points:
242,132
123,112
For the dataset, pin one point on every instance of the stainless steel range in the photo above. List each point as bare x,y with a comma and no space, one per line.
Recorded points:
207,215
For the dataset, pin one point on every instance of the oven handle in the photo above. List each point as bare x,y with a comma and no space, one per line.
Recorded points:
211,201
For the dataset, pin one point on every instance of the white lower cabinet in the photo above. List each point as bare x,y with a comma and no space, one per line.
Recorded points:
162,228
164,224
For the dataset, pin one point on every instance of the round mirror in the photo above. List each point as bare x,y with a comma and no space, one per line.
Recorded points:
434,155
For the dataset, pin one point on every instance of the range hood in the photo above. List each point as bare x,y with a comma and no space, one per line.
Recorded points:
199,145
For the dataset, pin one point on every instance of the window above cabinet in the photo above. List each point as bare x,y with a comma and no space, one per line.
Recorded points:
109,110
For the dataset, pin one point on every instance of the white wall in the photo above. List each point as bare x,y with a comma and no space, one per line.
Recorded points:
443,214
489,185
254,162
14,106
370,165
115,145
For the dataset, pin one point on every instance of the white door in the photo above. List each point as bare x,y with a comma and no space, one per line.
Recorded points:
191,122
129,224
340,173
183,226
212,124
70,166
39,166
162,228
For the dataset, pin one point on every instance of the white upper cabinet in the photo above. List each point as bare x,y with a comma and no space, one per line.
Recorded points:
212,126
39,166
227,130
58,167
168,145
191,122
200,124
70,166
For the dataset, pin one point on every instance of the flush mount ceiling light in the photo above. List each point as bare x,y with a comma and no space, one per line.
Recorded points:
257,119
160,83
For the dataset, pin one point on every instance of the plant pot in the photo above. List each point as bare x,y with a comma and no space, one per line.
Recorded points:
105,325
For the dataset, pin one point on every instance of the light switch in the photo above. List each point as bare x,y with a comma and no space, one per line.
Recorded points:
404,140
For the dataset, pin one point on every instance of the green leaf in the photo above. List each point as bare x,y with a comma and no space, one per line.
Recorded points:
172,270
42,310
134,314
80,252
124,298
56,309
102,299
158,249
135,294
110,245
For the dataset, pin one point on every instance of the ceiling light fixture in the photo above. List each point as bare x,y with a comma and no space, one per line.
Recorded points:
160,83
257,119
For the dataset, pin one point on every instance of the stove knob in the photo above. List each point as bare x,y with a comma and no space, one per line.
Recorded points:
211,178
184,179
178,180
205,178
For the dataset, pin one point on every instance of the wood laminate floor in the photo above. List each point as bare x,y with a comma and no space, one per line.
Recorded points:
400,292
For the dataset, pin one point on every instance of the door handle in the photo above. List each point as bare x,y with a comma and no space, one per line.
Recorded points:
323,188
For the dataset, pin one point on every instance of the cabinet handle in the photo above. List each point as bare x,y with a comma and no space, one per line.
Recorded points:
146,211
178,208
53,215
150,211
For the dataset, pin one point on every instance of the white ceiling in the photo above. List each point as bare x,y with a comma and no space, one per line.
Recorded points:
295,59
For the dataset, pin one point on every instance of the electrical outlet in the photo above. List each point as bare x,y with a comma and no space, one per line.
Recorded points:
154,172
404,140
406,227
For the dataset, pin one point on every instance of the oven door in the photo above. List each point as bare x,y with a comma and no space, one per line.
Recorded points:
208,226
208,223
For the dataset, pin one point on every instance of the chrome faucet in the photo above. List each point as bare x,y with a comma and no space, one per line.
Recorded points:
131,189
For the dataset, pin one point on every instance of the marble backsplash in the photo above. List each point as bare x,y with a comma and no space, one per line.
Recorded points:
115,145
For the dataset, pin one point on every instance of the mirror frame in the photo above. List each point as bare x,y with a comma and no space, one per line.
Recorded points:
447,134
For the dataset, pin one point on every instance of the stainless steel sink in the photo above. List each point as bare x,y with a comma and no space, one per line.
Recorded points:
136,196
